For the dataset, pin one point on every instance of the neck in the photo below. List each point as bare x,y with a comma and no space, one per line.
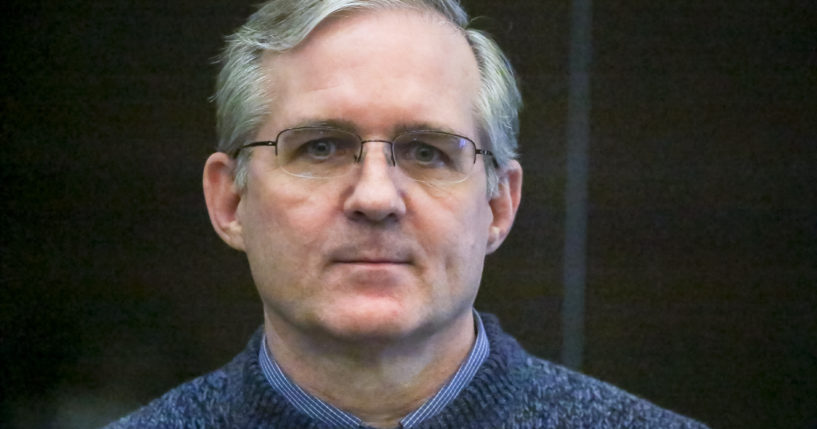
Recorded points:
379,382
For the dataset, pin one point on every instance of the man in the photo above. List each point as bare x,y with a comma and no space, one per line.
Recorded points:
366,168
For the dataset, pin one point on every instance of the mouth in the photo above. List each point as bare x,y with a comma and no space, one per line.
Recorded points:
372,254
358,257
373,261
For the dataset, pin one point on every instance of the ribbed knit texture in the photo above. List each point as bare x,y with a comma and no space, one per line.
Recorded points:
512,389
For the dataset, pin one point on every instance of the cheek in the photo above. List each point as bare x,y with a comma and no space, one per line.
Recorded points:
284,229
456,239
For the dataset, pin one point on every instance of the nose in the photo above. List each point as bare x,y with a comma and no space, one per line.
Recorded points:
377,193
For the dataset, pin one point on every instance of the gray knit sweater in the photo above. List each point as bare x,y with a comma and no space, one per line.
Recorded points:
512,389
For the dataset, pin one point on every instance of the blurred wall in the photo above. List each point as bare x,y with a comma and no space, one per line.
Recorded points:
702,222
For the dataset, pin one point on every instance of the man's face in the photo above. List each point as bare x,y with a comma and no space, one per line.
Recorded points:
372,254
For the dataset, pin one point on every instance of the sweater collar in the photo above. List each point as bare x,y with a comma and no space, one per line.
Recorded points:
332,416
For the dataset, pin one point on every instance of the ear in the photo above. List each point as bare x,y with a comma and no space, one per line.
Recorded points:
505,203
222,199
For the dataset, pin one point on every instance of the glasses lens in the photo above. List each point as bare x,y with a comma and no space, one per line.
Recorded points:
434,156
317,152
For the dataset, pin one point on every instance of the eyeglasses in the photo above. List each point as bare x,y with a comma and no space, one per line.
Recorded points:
324,152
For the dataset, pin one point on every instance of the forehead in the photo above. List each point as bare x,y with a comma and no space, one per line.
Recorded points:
377,69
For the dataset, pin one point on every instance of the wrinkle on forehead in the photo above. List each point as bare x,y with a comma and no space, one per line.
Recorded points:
430,40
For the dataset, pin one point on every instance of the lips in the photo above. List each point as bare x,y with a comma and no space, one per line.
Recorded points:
374,255
373,265
372,260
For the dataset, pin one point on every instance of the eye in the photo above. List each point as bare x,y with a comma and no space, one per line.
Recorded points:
424,154
310,150
320,149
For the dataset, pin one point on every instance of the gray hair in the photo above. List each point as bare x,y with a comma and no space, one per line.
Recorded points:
279,25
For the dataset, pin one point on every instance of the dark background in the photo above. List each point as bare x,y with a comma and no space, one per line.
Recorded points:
702,215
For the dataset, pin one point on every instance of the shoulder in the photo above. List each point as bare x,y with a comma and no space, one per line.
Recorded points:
212,400
186,405
566,398
548,395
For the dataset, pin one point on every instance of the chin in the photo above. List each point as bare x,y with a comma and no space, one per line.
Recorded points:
373,321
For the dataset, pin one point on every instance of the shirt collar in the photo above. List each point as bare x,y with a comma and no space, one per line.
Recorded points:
330,415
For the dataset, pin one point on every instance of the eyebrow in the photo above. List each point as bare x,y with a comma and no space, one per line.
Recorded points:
351,127
425,126
330,123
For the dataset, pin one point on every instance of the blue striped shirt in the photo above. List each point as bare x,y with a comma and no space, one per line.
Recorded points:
330,415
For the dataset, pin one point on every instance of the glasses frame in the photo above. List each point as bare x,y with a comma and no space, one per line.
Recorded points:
359,157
